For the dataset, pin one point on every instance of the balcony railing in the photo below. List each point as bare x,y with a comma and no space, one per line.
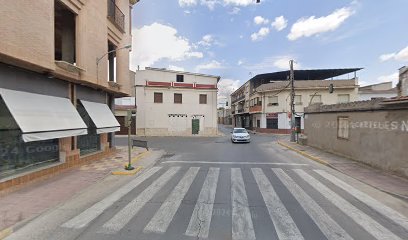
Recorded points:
115,15
255,109
236,99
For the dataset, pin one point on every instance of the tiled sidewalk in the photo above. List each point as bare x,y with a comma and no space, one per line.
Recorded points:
384,181
34,198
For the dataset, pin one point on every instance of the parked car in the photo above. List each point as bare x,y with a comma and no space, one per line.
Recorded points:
240,135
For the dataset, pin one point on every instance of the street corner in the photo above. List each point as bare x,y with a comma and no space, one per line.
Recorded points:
125,172
293,147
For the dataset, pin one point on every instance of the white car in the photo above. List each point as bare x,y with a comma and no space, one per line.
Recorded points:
240,135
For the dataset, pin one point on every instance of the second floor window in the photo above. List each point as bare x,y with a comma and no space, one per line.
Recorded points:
273,101
203,98
158,97
178,98
298,100
180,78
344,98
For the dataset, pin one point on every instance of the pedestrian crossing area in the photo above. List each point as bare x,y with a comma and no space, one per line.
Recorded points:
241,203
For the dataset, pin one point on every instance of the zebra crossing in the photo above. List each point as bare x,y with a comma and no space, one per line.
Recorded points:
298,183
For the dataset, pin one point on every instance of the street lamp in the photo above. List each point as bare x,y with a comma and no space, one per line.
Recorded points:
100,58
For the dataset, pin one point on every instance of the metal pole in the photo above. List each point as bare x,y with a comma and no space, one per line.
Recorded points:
292,103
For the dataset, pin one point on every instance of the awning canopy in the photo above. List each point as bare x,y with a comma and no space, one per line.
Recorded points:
101,116
42,117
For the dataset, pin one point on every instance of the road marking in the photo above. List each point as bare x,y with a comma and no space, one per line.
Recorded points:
371,202
243,163
121,218
242,227
283,222
326,224
98,208
161,220
359,217
201,218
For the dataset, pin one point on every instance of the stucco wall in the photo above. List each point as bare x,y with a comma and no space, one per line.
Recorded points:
378,138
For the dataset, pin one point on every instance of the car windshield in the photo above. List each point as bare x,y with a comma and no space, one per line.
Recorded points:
240,131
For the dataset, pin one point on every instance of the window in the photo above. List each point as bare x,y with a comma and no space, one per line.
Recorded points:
298,100
64,33
158,97
178,98
111,62
203,98
180,78
273,101
343,98
315,98
343,127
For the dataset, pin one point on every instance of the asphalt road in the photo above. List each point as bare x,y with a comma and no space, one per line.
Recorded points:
209,188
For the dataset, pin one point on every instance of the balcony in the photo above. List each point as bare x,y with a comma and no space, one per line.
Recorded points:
238,99
116,16
255,109
240,110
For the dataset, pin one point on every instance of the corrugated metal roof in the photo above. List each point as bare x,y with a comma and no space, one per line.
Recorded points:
306,84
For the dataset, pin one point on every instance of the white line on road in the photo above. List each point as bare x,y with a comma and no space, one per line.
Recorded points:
376,205
121,218
243,163
283,222
371,226
98,208
201,218
242,227
328,226
161,220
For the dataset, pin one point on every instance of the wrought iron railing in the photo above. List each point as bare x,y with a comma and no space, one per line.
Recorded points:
116,15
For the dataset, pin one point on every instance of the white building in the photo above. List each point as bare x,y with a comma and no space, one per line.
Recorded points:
379,90
174,103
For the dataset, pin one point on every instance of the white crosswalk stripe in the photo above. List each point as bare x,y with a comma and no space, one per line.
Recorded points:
168,209
283,222
379,207
242,226
129,211
200,220
97,209
328,226
371,226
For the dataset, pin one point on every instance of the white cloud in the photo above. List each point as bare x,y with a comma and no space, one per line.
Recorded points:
155,42
261,34
306,27
175,68
280,23
258,20
240,62
402,55
239,2
226,87
283,63
211,65
209,3
235,11
187,3
394,77
207,40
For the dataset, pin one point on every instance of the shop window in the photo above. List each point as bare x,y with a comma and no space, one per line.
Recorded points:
64,39
343,127
89,143
272,123
17,155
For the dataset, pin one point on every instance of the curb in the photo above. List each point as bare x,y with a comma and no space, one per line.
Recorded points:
6,232
127,173
321,161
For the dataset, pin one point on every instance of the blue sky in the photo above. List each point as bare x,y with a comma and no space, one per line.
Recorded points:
237,39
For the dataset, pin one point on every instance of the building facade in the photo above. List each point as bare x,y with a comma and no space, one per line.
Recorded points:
379,90
62,64
263,103
174,103
403,81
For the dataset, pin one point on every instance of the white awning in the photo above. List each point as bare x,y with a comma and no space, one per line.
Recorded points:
102,117
42,117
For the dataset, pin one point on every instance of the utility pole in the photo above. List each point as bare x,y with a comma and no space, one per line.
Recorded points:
292,103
